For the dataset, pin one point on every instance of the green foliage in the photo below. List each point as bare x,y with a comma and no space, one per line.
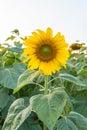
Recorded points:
3,97
17,113
49,107
74,121
65,124
26,78
79,120
29,101
72,79
9,75
80,102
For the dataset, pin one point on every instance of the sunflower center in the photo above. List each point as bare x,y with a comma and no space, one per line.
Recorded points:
45,50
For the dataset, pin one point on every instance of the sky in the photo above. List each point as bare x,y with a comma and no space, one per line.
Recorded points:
66,16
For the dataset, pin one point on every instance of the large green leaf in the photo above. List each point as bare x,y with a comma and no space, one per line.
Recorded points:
17,114
9,76
72,79
26,78
65,124
49,107
79,120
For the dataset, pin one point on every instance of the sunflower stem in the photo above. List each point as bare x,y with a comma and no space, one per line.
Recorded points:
44,127
45,92
46,85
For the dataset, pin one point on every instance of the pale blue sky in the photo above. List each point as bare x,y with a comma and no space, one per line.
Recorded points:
67,16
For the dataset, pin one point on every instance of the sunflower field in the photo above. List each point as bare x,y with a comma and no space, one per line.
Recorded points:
43,82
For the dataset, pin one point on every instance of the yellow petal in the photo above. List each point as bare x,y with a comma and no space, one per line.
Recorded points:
44,67
42,34
33,63
28,51
49,33
57,36
36,35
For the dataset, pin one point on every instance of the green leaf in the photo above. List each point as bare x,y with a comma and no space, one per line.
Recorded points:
0,127
17,114
80,103
18,44
31,123
74,121
49,107
8,103
65,124
83,77
30,127
79,67
9,76
15,49
3,97
79,120
15,31
12,37
73,79
26,78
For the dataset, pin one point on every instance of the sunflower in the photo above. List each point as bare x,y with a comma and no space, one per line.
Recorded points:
46,52
75,46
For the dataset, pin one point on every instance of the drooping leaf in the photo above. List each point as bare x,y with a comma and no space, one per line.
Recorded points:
17,114
9,76
73,79
25,79
49,107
